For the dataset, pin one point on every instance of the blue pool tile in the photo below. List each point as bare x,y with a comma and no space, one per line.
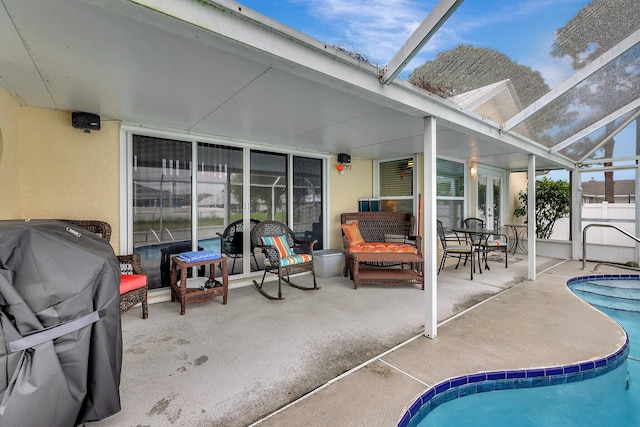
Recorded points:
467,390
600,363
505,385
486,386
533,373
428,394
522,383
498,375
456,382
571,369
404,421
516,374
413,409
574,377
450,395
587,366
443,387
559,379
477,377
558,370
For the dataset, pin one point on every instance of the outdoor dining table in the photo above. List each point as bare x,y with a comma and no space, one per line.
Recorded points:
479,235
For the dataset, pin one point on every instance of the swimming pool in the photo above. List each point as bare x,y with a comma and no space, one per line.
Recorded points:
153,252
608,397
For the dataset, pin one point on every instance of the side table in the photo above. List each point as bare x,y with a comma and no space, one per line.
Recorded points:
180,291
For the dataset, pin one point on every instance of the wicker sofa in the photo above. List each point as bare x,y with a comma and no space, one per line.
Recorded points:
383,233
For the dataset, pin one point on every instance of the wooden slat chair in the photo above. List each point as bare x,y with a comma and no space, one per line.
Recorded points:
285,254
133,278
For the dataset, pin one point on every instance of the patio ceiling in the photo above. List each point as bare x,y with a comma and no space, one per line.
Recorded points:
219,69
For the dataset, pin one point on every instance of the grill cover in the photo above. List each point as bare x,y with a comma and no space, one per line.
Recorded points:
53,274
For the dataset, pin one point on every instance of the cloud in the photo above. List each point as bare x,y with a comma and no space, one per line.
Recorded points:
375,28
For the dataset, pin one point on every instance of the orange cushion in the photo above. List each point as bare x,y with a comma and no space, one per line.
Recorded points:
381,247
352,231
129,282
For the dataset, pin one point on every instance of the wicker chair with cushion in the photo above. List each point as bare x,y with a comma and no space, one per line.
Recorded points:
285,254
133,279
133,284
377,232
101,228
231,241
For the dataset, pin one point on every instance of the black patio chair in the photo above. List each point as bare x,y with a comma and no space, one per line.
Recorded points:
455,247
486,243
231,241
166,254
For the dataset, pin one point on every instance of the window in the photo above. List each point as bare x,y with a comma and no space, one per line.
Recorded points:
450,190
175,199
396,185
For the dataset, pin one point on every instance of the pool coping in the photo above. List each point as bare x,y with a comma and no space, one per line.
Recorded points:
482,382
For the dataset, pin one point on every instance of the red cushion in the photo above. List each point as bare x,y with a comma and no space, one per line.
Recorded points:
129,282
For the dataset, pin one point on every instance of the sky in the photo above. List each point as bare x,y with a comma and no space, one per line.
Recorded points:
524,30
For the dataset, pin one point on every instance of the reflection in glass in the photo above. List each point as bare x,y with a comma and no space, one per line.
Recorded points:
161,202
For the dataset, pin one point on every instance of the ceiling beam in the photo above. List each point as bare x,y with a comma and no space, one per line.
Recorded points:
436,18
573,81
597,125
612,134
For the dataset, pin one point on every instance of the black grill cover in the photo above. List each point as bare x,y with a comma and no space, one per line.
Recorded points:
52,273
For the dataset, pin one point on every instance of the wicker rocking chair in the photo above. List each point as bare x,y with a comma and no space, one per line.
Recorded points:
285,254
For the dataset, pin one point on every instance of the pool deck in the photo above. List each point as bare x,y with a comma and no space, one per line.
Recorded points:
339,356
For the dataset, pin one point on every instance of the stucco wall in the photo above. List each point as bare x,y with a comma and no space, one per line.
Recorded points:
9,156
48,169
517,182
344,191
66,173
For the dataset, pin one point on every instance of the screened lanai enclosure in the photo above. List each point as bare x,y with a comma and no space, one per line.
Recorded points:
237,111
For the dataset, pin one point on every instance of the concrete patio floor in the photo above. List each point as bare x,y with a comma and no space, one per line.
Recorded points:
339,356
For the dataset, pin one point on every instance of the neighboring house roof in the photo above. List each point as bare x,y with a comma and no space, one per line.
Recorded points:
497,101
622,187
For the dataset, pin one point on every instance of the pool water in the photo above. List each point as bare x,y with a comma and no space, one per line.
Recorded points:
153,252
610,399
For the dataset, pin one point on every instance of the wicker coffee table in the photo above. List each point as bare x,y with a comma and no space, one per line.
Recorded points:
181,292
390,276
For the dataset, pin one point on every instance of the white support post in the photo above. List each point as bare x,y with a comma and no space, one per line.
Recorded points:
576,214
429,238
531,216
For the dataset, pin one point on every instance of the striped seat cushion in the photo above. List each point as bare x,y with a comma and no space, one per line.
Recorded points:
280,243
292,260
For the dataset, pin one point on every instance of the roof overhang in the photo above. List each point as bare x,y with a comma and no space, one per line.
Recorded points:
217,68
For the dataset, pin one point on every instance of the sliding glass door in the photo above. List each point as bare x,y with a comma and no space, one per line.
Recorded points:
178,187
268,191
308,198
161,203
